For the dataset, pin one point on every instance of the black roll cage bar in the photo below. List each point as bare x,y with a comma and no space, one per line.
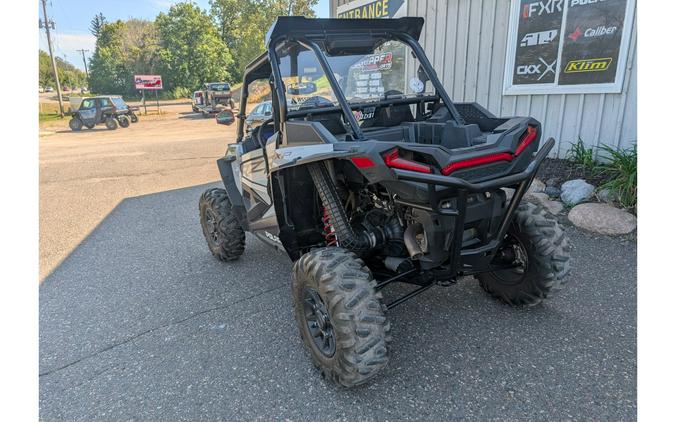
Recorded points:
279,95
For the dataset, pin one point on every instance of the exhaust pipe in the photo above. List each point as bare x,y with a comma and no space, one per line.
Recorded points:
410,240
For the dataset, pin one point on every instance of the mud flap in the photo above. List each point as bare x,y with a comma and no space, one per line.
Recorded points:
238,207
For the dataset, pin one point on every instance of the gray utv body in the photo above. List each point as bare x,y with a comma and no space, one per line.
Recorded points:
471,152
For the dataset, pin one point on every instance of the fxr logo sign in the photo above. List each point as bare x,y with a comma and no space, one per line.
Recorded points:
535,69
538,8
538,38
588,65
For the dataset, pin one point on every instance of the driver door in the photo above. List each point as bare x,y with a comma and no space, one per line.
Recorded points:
87,111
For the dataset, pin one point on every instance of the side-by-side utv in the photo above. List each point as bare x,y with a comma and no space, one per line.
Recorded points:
366,174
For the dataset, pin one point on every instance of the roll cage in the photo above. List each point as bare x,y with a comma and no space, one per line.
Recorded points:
341,36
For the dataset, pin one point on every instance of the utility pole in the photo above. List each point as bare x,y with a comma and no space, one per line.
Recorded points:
85,63
47,23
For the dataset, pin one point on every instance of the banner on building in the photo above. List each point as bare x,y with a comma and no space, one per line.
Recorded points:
372,9
568,46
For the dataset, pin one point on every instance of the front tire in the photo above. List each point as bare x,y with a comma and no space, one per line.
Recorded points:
340,316
537,243
224,235
111,123
75,124
133,117
124,121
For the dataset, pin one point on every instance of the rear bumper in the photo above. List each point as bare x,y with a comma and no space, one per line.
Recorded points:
509,180
469,259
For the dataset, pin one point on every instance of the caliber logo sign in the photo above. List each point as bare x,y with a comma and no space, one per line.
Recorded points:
588,65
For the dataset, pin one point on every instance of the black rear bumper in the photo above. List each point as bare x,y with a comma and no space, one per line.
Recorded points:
475,259
509,180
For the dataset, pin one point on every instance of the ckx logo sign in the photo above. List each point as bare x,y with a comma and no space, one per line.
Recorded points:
536,69
539,8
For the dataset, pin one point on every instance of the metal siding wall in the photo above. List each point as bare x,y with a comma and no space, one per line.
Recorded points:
466,41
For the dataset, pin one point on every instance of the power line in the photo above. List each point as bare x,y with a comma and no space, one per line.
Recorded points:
46,25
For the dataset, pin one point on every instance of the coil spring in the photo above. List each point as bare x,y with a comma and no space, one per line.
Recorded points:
328,230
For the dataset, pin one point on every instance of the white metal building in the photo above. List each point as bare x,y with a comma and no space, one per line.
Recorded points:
473,44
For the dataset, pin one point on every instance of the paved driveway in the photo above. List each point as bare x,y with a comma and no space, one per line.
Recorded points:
141,323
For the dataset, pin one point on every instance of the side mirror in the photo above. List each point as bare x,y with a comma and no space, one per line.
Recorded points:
225,117
268,113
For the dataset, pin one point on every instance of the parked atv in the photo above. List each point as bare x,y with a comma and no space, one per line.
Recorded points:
109,110
377,177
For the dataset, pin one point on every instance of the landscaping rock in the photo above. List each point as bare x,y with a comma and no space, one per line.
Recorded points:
554,207
576,191
603,219
606,195
553,182
536,186
552,191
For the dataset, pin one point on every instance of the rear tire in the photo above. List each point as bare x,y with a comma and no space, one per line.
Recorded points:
224,235
340,316
538,238
124,121
111,123
75,124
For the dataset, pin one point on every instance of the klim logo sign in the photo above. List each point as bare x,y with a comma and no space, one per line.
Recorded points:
372,9
588,65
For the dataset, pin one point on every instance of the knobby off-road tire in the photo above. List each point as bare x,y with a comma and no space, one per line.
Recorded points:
111,123
224,235
124,121
75,124
547,253
355,315
133,117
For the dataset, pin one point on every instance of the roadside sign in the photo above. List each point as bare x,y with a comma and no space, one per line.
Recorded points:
148,81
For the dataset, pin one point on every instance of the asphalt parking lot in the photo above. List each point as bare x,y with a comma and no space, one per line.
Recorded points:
139,322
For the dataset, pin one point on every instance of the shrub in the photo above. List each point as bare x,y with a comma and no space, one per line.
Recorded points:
180,92
581,155
621,169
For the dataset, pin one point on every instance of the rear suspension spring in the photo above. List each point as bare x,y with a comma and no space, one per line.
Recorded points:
328,229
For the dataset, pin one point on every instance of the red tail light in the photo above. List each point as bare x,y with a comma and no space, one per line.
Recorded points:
529,136
478,161
391,159
362,162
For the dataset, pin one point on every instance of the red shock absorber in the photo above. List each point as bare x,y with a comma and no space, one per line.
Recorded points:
328,230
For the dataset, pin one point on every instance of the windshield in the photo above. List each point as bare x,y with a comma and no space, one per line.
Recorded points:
389,70
219,87
119,103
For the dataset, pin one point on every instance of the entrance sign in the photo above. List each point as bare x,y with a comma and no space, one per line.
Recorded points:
148,81
567,46
372,9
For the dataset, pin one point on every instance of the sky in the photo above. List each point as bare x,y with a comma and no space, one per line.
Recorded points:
72,17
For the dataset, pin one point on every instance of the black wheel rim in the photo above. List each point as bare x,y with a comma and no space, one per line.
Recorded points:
318,323
211,226
512,252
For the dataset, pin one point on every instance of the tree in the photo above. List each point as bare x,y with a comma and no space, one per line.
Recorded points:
69,75
243,24
109,72
190,49
97,24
